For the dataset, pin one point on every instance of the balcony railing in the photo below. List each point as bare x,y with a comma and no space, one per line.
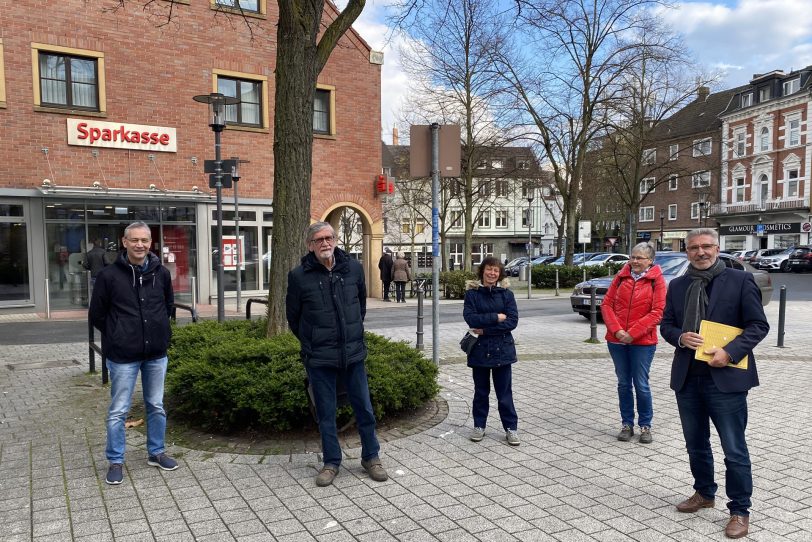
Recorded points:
743,208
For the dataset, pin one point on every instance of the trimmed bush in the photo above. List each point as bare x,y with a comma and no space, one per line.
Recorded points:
229,376
453,282
568,275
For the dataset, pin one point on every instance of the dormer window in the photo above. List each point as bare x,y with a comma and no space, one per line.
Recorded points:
747,99
792,86
764,94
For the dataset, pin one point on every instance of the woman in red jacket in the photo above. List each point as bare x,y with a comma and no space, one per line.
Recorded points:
631,310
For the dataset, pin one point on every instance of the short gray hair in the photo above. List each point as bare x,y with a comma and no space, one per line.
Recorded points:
315,228
702,231
137,226
645,248
402,255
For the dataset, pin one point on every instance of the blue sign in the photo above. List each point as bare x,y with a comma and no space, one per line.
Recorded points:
760,229
644,235
435,232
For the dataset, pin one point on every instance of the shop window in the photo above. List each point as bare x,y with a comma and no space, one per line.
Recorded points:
14,272
324,111
244,7
252,91
68,79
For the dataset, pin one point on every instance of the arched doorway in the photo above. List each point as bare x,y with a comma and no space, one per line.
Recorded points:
359,236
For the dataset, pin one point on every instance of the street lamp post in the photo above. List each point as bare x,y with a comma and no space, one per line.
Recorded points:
529,241
217,121
662,218
703,200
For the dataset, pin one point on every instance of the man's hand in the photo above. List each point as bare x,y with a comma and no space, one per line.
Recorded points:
720,357
476,331
691,340
501,317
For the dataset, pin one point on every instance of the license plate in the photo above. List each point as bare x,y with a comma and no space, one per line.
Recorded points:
587,302
793,262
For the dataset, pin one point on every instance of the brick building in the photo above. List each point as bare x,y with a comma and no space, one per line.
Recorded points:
764,197
100,129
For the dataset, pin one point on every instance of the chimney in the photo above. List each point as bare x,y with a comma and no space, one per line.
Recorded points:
702,93
394,136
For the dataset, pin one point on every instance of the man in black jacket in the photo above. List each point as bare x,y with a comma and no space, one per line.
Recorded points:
325,308
131,304
385,266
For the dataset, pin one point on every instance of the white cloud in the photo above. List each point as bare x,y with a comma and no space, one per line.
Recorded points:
744,37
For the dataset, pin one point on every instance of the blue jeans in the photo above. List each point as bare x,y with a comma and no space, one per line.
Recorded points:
323,380
122,384
699,403
632,364
503,385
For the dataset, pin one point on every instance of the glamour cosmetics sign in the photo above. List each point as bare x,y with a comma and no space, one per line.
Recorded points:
91,133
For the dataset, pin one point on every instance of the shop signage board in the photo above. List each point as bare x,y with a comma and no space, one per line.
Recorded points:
230,253
753,229
119,135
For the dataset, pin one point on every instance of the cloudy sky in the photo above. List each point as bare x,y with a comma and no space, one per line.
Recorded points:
739,37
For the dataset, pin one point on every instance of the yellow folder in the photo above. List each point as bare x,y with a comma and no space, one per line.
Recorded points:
716,334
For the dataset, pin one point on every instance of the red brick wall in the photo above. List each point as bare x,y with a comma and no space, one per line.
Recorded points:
153,68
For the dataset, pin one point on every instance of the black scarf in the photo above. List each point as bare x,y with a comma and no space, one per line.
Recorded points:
696,298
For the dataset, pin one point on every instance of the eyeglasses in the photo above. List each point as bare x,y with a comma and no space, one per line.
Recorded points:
137,240
695,248
639,258
320,240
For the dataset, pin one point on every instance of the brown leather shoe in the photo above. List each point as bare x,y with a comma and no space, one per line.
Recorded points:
694,503
737,526
326,476
375,469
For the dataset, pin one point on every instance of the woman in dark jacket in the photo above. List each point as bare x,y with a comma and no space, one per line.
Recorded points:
491,313
631,310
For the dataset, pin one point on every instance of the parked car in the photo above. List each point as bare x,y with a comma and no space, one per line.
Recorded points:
544,259
776,262
513,266
603,259
800,259
577,258
673,264
746,255
762,253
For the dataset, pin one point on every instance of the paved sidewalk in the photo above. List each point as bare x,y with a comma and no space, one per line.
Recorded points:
570,480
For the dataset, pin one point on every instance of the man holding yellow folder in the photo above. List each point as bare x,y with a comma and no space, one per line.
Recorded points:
714,390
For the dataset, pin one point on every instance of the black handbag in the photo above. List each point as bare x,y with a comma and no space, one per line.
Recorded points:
468,342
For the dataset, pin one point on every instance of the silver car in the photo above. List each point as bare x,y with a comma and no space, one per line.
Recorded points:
775,262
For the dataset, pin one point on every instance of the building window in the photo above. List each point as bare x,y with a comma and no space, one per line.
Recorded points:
791,184
764,94
456,219
501,218
405,226
673,152
455,188
702,147
528,189
522,164
481,164
484,188
764,139
792,86
496,164
646,214
695,210
647,185
649,156
747,99
502,188
484,220
672,211
740,150
68,78
249,111
793,130
419,226
248,7
324,110
738,190
457,252
700,179
480,251
673,182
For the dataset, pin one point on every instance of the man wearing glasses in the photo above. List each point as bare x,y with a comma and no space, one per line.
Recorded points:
716,390
131,303
325,308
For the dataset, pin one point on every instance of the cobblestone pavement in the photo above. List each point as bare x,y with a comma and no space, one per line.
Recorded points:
570,480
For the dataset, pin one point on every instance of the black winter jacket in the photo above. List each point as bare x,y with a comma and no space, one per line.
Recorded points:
495,347
326,310
131,308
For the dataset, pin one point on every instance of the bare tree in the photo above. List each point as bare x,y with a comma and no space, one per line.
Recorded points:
585,49
349,230
449,63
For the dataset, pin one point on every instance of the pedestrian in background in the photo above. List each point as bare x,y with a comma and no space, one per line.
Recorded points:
385,265
401,275
131,304
325,307
631,310
715,390
491,313
94,260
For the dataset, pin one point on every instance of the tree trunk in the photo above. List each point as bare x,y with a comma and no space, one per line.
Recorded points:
295,82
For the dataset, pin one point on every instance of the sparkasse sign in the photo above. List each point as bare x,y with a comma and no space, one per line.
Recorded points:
117,135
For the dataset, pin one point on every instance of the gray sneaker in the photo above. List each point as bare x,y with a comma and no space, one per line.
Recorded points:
626,433
477,434
645,435
512,437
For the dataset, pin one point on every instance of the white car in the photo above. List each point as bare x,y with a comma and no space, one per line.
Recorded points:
603,259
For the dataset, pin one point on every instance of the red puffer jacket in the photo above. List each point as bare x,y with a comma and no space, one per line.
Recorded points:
635,305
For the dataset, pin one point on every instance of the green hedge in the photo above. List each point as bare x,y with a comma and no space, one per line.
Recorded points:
543,276
453,282
228,376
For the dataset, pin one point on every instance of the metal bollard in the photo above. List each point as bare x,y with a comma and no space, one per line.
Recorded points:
419,314
48,299
593,318
782,311
193,286
556,283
